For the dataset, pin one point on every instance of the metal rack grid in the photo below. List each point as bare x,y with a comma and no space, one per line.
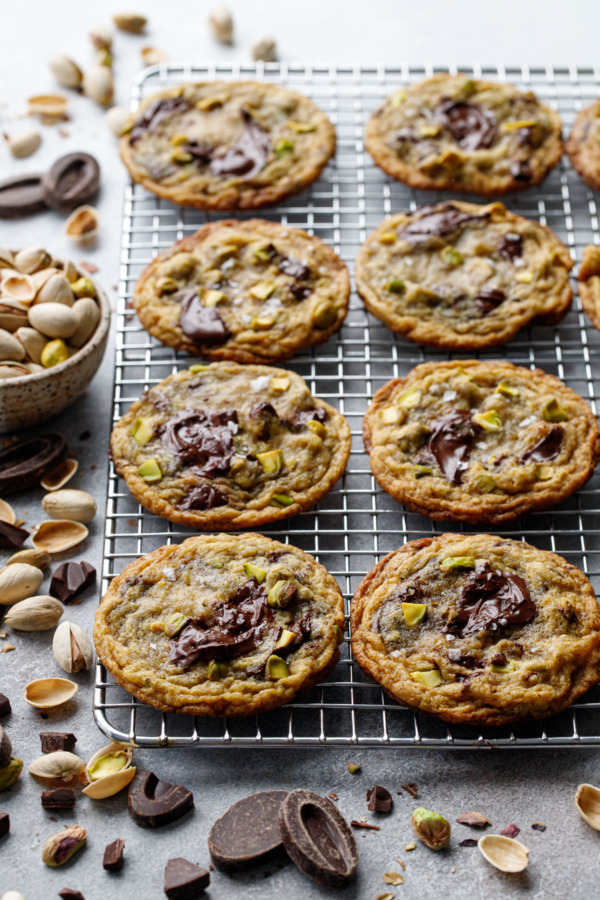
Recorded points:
357,523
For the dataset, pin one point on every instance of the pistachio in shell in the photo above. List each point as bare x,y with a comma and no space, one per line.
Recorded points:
587,801
504,853
431,828
19,582
51,106
109,771
65,71
38,613
72,647
45,693
5,748
31,556
58,535
61,765
10,772
59,476
18,286
62,846
7,513
82,224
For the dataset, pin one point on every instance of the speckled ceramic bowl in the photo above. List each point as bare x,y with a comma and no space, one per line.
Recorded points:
32,398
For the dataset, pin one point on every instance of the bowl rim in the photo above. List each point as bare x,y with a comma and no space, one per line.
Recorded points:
97,337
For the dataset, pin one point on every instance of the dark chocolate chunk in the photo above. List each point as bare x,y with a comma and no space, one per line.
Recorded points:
511,831
317,838
538,826
294,267
70,894
436,221
488,300
489,600
471,126
236,627
202,324
113,860
249,153
468,842
58,798
466,660
12,536
184,880
317,414
200,151
473,820
201,438
156,113
263,410
24,463
72,181
70,580
547,448
300,291
499,659
247,834
450,443
379,799
5,708
520,170
21,195
205,496
153,802
510,246
57,740
4,823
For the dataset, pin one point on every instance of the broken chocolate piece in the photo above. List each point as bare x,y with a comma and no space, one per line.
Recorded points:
468,842
317,838
538,826
113,860
11,536
24,463
5,708
201,438
547,448
200,151
510,246
294,267
436,221
202,324
489,600
184,880
72,181
4,823
58,798
70,894
379,799
57,740
70,580
471,126
249,153
247,834
153,802
520,170
205,496
154,114
450,443
473,819
356,824
499,659
511,831
487,301
21,195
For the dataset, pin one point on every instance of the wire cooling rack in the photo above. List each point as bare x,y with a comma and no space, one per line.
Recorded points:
357,523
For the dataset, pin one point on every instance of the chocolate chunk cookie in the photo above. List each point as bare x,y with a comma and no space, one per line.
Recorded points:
229,446
251,291
583,146
463,276
455,133
221,625
227,145
589,283
477,629
479,441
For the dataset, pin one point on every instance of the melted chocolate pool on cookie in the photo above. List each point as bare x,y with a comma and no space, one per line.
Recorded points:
489,600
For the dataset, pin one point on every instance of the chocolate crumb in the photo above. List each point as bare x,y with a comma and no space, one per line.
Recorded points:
70,894
468,842
113,856
4,706
511,831
333,795
379,799
538,826
473,819
85,435
4,823
410,788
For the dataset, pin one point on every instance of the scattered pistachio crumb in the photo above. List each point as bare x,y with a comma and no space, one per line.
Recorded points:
411,846
8,648
353,768
393,878
387,896
452,869
401,864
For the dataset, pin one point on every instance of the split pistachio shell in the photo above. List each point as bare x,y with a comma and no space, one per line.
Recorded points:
52,105
10,347
7,259
7,513
77,506
82,225
56,289
24,144
19,582
72,648
587,801
87,313
55,320
264,49
18,286
32,557
34,614
12,895
10,369
13,314
40,278
58,535
130,21
98,84
504,853
31,260
117,120
109,771
58,477
44,693
33,342
151,56
57,766
65,71
101,37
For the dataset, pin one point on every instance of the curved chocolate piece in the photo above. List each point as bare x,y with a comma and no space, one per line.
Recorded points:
249,153
203,324
489,600
379,799
471,126
156,113
73,180
431,221
184,879
294,267
317,838
510,246
487,300
205,496
247,834
547,448
21,195
202,438
70,579
450,443
24,463
153,802
12,536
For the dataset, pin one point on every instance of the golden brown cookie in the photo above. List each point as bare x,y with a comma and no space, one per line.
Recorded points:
477,629
479,441
221,625
583,146
252,291
589,283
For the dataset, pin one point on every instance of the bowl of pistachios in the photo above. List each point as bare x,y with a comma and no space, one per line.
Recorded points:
54,323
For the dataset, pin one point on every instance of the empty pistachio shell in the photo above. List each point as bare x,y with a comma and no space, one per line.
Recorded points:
24,144
7,258
109,771
10,347
32,557
57,766
264,49
117,120
587,801
7,513
101,37
72,647
17,286
130,21
151,56
34,614
221,24
31,260
58,535
55,320
58,477
87,313
10,369
56,289
504,853
51,105
19,582
78,506
98,84
65,71
41,277
33,343
82,225
44,693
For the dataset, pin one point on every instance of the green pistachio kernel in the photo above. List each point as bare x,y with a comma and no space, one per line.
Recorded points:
544,473
271,461
142,431
397,98
213,298
286,639
317,428
395,286
166,286
353,768
253,571
262,290
277,668
506,390
485,484
428,677
414,613
279,384
457,562
10,772
206,104
502,670
552,411
429,130
283,147
422,471
391,415
431,828
518,125
451,256
107,765
54,352
469,87
388,237
339,634
281,500
282,593
262,323
83,287
198,367
410,399
150,470
178,139
301,127
217,670
324,315
181,156
215,563
174,624
489,421
226,251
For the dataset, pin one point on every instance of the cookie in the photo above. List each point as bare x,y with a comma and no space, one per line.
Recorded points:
463,276
477,629
221,625
250,291
583,145
479,441
589,283
228,446
459,134
227,145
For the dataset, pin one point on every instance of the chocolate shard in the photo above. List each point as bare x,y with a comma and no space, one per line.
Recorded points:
521,170
247,834
202,324
71,579
70,894
155,114
450,443
471,126
202,438
294,267
468,842
184,879
473,819
200,151
12,536
21,195
4,823
379,799
57,740
489,600
113,860
539,826
203,497
510,246
153,802
72,181
317,838
548,447
5,708
58,798
249,153
487,300
437,221
24,463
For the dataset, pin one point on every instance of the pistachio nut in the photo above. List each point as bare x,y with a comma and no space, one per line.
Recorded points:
58,477
82,224
31,260
431,828
56,289
19,582
504,853
7,259
221,24
98,85
7,513
65,71
61,765
5,748
77,506
10,369
12,895
58,535
130,21
38,613
10,772
24,144
51,106
72,647
18,286
55,320
62,846
54,352
13,314
45,693
101,37
10,347
587,801
152,56
117,120
33,342
42,275
109,771
32,557
87,313
264,49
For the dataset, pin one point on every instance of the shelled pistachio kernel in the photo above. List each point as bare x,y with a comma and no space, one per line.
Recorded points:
395,286
324,315
544,473
271,461
428,677
451,256
107,765
217,670
282,593
10,772
387,237
317,428
198,368
173,624
414,613
502,669
283,147
181,155
262,323
83,287
354,768
506,390
301,127
54,352
262,290
277,668
213,298
142,431
485,484
285,639
279,384
552,411
150,470
281,500
339,634
457,562
253,571
431,828
391,415
422,471
166,285
489,421
410,398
